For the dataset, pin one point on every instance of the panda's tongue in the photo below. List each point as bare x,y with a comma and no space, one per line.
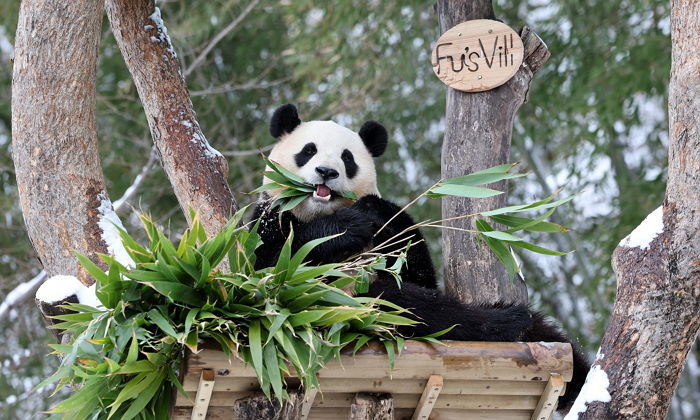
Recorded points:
322,190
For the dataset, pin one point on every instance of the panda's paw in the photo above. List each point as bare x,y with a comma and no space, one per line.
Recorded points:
376,209
357,225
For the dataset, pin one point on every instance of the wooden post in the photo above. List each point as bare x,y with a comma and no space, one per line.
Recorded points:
204,391
428,398
548,400
478,129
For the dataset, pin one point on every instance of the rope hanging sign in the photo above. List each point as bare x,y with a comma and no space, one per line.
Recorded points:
477,55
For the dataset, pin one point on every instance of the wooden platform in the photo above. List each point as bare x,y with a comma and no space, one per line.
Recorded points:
462,380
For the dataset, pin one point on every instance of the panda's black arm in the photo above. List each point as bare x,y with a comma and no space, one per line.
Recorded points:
419,267
355,231
272,233
355,228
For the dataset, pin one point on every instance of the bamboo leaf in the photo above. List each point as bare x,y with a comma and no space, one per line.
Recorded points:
442,190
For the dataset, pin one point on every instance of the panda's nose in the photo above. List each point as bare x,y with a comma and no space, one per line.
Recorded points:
327,173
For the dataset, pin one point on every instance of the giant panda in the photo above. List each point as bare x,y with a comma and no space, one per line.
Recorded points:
335,158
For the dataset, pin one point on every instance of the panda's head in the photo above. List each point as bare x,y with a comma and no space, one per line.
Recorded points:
329,156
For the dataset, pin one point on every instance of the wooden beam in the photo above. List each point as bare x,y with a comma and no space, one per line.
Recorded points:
206,387
428,398
372,407
548,401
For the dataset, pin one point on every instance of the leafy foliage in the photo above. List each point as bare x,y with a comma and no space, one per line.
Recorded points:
125,357
500,241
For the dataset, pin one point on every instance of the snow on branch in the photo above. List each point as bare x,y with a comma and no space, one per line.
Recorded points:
643,235
58,288
595,389
21,293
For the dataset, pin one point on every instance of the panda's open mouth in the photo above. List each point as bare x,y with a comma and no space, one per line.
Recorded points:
323,193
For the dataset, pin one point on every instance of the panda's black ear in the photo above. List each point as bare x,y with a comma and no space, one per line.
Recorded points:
374,137
284,120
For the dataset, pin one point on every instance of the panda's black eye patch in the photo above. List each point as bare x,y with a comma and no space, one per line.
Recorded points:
349,161
305,155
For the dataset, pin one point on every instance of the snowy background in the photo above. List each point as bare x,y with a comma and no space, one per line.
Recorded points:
595,124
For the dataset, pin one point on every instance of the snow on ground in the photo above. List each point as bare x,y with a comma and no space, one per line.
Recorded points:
644,234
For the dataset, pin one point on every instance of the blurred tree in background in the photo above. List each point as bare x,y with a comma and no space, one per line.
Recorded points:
596,122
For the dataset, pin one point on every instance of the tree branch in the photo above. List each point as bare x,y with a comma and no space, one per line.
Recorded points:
221,35
196,171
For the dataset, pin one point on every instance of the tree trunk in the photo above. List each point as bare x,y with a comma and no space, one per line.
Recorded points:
366,406
259,407
197,172
656,316
478,128
54,137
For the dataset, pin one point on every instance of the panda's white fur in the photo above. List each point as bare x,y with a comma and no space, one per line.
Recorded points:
330,140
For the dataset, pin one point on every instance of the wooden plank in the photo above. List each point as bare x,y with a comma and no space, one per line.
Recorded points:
438,414
204,391
428,398
548,401
459,360
308,403
395,386
366,406
318,413
335,400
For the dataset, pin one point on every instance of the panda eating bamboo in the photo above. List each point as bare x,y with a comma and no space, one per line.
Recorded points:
335,159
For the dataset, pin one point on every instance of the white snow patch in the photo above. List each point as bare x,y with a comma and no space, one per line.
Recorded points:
57,288
162,32
645,233
595,389
208,150
186,123
109,222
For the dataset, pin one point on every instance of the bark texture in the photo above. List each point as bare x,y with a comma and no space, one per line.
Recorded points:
657,310
478,128
259,407
366,406
54,136
196,171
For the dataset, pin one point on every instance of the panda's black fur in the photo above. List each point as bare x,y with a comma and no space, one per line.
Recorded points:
358,225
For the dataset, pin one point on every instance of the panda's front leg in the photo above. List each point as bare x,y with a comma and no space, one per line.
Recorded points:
354,226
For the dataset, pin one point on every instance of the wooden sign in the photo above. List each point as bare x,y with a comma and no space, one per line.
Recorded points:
477,55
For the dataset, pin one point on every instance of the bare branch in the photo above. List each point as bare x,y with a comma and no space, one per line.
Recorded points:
136,183
254,84
230,27
248,152
20,294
